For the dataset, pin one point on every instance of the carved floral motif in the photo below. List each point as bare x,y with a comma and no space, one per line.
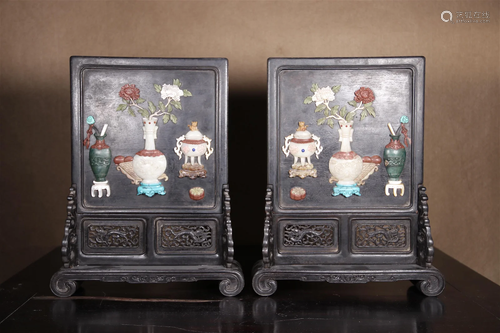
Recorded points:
171,93
130,92
364,95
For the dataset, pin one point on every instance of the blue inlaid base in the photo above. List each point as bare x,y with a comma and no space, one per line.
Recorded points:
151,189
346,190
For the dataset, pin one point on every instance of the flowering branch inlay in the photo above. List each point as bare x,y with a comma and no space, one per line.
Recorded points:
171,93
363,99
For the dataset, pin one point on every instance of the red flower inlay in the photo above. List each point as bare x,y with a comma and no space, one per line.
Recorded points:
130,91
364,95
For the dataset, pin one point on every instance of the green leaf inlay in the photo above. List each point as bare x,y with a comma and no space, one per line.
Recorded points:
132,113
121,107
174,118
320,108
161,105
151,106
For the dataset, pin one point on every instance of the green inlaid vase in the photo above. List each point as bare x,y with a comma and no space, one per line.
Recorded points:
394,158
100,158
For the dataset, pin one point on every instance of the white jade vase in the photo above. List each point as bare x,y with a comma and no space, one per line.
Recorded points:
149,163
345,165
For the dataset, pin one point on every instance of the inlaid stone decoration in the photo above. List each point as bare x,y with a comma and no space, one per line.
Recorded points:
149,164
302,145
193,145
395,157
99,158
348,169
155,227
358,233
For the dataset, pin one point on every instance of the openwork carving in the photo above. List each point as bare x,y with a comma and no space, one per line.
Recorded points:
69,243
267,242
113,236
425,244
227,236
186,236
381,235
312,235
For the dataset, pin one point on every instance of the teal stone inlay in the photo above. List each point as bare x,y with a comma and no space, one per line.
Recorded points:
100,159
346,190
151,189
394,160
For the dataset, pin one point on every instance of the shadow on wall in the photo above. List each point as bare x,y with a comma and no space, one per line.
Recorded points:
36,168
247,141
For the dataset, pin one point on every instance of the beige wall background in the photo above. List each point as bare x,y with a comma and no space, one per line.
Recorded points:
462,100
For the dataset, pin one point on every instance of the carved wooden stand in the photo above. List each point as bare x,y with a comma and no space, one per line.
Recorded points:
67,280
425,277
133,238
371,238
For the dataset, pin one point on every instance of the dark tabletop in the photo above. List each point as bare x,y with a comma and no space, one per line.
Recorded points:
470,303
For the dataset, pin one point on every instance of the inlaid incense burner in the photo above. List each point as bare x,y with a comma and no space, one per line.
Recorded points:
146,227
302,145
373,226
193,145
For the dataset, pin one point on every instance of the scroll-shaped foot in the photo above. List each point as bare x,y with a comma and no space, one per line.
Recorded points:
232,285
234,282
61,286
263,285
432,286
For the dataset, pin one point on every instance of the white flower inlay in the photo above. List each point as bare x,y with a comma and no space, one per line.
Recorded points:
323,96
171,91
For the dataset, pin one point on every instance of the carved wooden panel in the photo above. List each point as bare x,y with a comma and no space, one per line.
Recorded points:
123,237
299,236
381,236
185,236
